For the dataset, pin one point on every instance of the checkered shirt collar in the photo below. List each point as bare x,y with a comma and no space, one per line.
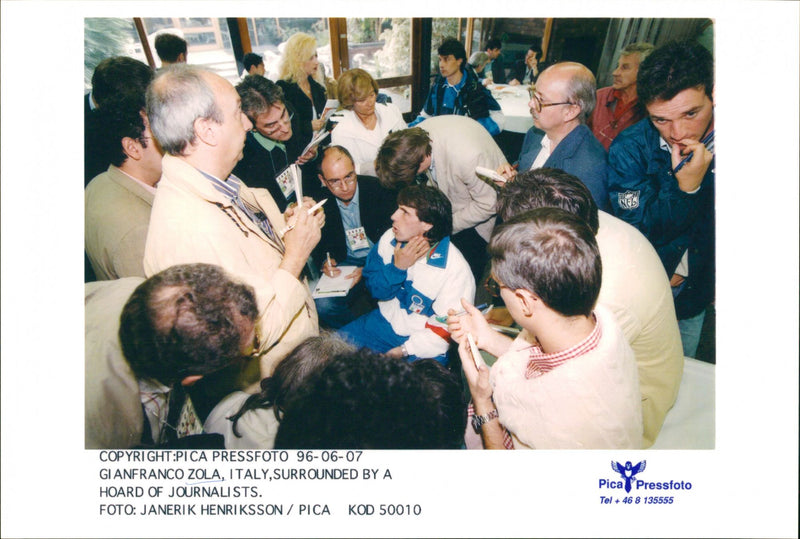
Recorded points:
541,363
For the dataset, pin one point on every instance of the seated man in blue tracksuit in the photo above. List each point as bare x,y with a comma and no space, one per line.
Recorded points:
457,90
416,275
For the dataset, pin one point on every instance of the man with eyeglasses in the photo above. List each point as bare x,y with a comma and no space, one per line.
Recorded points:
561,102
274,142
361,214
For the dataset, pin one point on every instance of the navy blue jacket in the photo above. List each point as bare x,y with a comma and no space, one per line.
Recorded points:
579,154
645,193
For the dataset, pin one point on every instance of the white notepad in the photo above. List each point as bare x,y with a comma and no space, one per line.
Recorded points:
332,287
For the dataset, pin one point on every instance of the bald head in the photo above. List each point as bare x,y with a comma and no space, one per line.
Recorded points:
575,82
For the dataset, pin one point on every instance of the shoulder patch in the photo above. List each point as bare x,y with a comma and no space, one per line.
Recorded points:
629,200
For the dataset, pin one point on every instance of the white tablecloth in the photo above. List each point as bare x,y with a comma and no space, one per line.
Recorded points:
513,101
690,424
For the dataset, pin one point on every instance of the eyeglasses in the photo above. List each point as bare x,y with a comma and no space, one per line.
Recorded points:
285,119
493,287
537,101
337,184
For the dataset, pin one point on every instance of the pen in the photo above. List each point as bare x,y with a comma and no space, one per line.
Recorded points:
311,211
480,307
708,141
328,257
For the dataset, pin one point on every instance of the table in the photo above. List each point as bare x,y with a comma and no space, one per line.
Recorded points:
513,101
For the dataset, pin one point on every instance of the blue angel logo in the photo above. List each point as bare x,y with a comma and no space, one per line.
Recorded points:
628,471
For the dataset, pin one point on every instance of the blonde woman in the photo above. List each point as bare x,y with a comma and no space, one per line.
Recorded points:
364,122
301,79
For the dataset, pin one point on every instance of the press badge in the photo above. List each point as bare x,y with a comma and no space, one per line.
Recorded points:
286,182
357,238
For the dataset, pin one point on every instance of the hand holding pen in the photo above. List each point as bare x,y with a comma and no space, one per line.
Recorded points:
691,163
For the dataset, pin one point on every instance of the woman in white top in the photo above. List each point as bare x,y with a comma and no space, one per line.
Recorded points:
364,122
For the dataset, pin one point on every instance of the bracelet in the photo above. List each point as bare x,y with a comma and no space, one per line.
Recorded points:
479,420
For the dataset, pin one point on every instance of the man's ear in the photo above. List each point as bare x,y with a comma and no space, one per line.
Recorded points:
427,226
206,130
189,380
321,179
572,112
528,301
132,148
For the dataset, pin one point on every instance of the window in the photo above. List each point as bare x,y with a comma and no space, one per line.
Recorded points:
269,35
107,37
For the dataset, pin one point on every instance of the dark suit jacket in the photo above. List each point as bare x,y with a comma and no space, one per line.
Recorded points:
258,167
300,101
376,206
499,70
579,154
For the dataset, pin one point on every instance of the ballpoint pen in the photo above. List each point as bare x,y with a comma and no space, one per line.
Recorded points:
708,141
311,211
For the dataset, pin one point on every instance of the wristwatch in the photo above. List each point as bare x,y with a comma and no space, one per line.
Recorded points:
479,420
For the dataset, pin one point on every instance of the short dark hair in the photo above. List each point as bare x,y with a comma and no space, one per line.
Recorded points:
186,320
547,187
335,148
551,253
535,47
365,400
432,207
672,68
252,59
453,46
493,44
119,119
169,47
258,95
447,415
400,155
292,373
119,77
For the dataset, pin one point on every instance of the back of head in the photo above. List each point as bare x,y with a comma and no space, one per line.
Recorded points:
120,77
453,46
187,320
640,48
581,87
292,373
447,416
119,119
672,68
547,187
364,400
252,59
169,47
551,253
177,97
478,59
400,156
432,207
258,95
298,50
353,85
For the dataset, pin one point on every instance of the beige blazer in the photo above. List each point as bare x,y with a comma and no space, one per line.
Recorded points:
193,222
636,289
116,216
459,144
